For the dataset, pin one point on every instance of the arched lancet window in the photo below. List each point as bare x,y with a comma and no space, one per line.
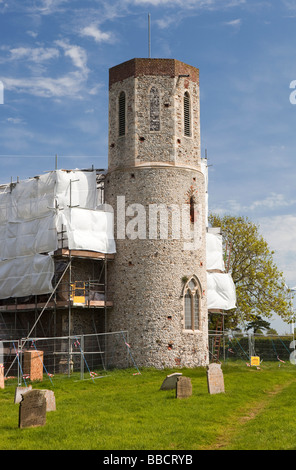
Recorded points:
121,114
192,305
154,109
187,111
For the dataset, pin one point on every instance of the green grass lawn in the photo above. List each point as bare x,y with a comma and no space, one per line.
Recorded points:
123,411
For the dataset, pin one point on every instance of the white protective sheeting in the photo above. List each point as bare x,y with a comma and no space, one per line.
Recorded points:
214,251
221,291
31,212
30,275
89,230
28,237
28,200
76,188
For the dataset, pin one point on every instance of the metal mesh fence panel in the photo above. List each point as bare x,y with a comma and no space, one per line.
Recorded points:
81,354
242,347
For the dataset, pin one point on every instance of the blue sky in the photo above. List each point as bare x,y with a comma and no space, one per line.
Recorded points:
54,61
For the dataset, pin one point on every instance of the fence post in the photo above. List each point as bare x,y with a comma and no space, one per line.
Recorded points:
81,357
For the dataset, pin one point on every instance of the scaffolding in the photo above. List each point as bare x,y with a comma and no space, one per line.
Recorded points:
76,271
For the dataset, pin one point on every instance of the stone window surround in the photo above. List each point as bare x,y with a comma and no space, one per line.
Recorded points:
196,291
187,120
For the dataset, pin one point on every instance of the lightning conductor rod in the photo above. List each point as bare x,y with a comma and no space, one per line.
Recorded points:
149,35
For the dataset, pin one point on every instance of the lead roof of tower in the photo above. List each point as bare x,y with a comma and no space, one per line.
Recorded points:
154,67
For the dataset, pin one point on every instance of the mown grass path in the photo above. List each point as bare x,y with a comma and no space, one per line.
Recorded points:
256,426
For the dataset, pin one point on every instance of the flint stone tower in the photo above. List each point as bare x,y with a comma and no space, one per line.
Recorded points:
157,281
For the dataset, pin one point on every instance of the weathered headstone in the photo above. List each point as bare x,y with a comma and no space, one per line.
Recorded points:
183,387
19,391
50,400
215,379
170,381
33,364
2,376
32,411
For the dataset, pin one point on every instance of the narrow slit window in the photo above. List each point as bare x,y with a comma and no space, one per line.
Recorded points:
154,110
192,210
187,120
121,114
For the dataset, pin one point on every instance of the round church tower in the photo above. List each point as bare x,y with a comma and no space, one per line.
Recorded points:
157,281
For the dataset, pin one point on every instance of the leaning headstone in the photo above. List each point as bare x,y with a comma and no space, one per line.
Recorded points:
32,411
215,379
19,391
2,376
183,387
50,400
170,381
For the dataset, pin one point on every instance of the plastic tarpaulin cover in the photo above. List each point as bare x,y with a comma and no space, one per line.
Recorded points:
76,188
28,238
89,230
214,252
221,291
30,213
30,275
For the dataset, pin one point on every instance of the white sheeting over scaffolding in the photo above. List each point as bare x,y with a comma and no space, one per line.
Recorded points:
28,237
30,275
31,213
221,288
88,230
214,251
221,291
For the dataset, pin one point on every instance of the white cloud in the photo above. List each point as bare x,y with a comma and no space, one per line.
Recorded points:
33,34
67,85
280,234
94,32
38,54
206,4
76,53
47,7
234,23
273,201
14,120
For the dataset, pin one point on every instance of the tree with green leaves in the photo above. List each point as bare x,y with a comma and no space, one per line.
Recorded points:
258,324
260,286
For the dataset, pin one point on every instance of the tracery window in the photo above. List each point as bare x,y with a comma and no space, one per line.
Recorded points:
154,110
192,305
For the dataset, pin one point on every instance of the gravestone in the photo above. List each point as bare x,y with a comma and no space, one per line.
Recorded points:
170,381
32,411
215,379
50,400
2,376
183,387
19,391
